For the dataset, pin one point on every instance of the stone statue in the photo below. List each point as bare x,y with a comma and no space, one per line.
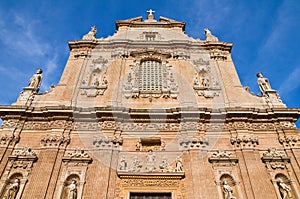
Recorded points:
12,190
35,80
91,35
263,83
178,166
123,164
227,189
209,36
150,161
138,145
164,166
72,192
285,190
136,165
204,82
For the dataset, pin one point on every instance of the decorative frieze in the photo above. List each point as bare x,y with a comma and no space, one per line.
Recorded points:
222,158
11,123
45,125
150,164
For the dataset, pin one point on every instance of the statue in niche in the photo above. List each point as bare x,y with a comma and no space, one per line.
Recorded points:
35,80
123,164
72,190
178,165
150,161
263,83
12,190
91,35
285,190
209,36
95,80
228,191
204,81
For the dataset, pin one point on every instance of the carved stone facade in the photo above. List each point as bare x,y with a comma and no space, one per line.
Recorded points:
149,111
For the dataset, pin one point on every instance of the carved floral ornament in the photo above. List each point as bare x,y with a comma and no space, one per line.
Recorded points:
95,83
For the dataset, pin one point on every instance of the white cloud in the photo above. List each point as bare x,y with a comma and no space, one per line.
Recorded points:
22,37
291,83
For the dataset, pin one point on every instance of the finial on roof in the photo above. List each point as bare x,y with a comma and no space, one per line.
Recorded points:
151,16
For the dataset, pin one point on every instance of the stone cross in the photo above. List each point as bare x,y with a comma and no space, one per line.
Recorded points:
151,12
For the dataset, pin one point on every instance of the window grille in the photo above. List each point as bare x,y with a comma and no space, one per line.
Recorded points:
150,76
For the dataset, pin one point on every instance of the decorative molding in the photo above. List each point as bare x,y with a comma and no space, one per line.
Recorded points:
195,142
222,158
54,140
275,159
45,125
244,141
289,140
108,143
9,139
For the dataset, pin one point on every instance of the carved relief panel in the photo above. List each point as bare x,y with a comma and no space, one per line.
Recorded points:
150,172
95,83
205,83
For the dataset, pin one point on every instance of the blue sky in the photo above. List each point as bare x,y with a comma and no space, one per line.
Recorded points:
266,36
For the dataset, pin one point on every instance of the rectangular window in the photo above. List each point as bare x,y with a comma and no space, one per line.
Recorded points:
150,76
150,196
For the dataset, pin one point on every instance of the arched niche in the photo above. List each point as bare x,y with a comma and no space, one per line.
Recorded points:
71,186
13,186
228,186
285,189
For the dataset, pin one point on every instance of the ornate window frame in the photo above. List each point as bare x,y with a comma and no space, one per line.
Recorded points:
132,86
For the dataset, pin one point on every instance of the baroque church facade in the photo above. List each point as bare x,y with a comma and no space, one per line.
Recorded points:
149,113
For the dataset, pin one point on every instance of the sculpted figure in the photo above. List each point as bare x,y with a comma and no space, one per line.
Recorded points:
263,83
12,190
72,193
209,36
227,189
284,189
91,35
179,166
136,165
123,164
36,79
150,162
